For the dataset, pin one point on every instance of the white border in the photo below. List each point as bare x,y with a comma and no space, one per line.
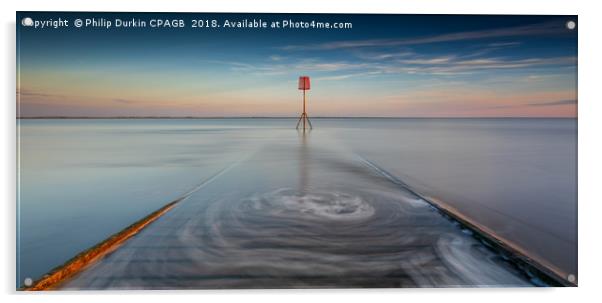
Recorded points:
590,211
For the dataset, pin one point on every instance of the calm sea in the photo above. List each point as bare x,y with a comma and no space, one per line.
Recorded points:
83,180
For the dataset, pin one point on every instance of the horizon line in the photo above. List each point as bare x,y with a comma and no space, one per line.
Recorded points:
287,117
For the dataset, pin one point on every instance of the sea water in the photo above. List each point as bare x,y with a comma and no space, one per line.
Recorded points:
83,180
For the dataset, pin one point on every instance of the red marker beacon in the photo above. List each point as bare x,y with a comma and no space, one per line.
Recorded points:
304,85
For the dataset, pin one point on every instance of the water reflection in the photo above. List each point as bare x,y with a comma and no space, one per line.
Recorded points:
303,159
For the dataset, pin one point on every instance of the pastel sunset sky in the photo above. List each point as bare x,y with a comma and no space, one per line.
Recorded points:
385,66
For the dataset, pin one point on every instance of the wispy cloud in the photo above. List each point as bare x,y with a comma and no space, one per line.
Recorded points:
504,44
379,56
451,65
304,65
525,30
553,103
276,58
479,50
538,104
124,101
346,76
428,61
408,64
30,93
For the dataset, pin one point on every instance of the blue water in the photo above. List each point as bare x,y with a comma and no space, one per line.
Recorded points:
83,180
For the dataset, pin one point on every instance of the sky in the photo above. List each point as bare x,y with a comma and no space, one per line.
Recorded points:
384,66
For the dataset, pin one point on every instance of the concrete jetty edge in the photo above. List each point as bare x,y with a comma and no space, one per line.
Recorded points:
531,268
82,260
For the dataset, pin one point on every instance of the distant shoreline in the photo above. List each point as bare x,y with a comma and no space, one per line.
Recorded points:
217,118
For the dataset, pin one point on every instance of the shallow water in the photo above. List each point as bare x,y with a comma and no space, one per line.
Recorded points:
515,177
298,213
289,210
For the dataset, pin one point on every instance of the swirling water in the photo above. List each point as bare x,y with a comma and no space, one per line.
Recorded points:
287,210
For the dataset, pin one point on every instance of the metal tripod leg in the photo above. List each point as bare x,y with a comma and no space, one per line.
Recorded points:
307,118
301,118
